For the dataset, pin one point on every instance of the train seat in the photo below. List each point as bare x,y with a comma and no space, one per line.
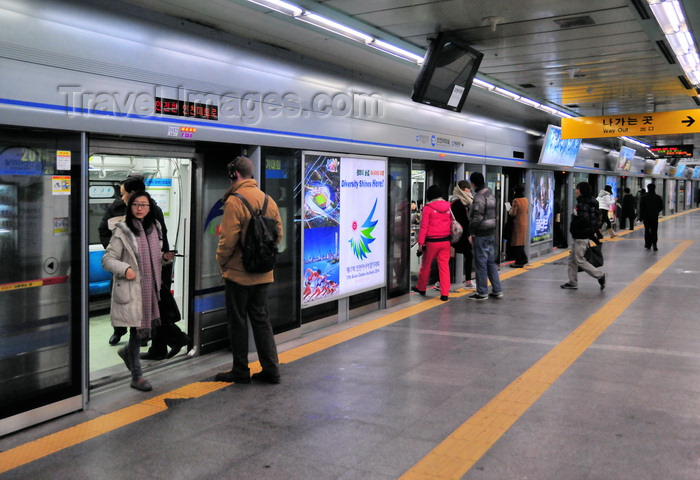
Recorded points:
100,280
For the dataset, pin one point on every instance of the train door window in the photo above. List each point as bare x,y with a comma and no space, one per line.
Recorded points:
167,180
418,179
401,212
280,180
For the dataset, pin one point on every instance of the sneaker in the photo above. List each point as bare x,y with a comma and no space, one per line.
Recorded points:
601,281
420,292
477,296
230,377
437,285
496,294
469,284
444,298
141,384
266,377
570,286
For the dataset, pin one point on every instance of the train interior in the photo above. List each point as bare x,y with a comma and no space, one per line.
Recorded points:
168,180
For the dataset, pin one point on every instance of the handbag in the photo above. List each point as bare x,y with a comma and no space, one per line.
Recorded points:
169,312
594,256
456,229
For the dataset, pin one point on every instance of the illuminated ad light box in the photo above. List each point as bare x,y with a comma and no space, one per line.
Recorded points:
344,226
541,206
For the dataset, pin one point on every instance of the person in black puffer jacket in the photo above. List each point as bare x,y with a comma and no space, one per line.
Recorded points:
584,222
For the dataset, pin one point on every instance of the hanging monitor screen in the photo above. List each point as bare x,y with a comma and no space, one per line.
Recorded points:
624,162
447,73
558,151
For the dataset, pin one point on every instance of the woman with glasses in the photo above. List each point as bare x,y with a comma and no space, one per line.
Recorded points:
135,259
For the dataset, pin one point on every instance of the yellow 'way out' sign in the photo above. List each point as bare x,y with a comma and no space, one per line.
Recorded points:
634,124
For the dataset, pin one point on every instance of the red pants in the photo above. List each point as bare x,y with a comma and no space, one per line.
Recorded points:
431,250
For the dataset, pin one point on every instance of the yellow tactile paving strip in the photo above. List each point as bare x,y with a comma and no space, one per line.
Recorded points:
455,455
528,392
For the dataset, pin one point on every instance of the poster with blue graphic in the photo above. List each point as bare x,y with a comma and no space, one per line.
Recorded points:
542,201
344,226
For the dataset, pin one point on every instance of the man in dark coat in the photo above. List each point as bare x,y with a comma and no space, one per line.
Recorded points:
584,222
650,206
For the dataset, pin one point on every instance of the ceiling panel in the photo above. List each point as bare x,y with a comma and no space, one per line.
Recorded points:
610,66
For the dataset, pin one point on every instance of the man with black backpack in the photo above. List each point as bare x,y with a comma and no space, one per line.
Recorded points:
248,214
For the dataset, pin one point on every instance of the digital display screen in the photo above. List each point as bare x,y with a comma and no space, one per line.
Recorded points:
446,74
658,167
558,151
672,151
624,163
182,108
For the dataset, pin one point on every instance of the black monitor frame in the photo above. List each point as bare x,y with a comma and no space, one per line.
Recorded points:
444,50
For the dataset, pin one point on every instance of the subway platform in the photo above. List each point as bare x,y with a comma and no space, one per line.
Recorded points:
544,383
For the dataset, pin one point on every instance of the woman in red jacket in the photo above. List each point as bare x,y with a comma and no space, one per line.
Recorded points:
434,241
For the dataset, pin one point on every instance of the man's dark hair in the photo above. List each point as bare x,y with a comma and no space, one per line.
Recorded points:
584,189
240,167
651,188
477,178
134,183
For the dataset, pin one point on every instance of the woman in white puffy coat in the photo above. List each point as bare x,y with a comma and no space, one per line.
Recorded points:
606,204
135,259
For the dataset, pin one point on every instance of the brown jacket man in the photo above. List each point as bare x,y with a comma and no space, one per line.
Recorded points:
245,292
233,229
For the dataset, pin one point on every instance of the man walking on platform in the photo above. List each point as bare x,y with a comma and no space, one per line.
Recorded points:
246,292
482,230
650,205
584,223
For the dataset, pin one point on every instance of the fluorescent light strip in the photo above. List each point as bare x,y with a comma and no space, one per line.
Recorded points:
396,51
335,27
280,6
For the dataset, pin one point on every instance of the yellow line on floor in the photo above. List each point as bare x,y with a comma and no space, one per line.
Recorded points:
458,453
53,443
44,446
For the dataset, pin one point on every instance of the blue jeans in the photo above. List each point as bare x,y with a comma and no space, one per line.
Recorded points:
485,265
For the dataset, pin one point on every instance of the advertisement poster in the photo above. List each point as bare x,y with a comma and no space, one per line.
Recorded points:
542,201
344,226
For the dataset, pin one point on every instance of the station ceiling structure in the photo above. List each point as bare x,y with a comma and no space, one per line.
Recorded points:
591,58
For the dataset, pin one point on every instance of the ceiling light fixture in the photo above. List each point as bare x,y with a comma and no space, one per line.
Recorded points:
335,27
280,6
396,51
669,15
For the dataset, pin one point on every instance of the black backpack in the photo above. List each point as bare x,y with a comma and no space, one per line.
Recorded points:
260,247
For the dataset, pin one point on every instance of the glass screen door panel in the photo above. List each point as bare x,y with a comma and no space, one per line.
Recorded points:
40,281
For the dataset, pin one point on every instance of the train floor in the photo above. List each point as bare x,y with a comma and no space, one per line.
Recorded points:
544,383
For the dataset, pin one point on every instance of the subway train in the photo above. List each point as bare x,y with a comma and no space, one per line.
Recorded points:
91,95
